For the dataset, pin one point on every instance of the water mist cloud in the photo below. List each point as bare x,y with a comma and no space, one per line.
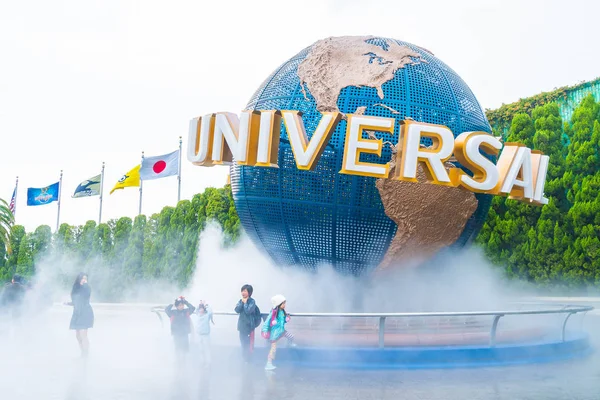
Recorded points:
459,281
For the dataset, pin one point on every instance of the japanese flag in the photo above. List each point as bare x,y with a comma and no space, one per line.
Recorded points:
160,166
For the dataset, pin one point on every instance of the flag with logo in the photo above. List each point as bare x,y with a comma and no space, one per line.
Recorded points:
87,188
160,166
132,178
41,196
13,202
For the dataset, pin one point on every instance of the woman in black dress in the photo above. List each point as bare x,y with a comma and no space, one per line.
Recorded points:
83,315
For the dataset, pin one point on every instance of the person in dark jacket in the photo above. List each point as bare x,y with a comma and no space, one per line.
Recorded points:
12,298
181,326
83,314
246,308
13,295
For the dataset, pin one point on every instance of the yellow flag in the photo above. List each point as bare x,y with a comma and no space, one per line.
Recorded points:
132,178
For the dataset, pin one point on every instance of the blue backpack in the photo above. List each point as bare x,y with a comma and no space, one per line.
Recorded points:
256,318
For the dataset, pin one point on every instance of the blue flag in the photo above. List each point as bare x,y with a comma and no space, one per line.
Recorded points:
41,196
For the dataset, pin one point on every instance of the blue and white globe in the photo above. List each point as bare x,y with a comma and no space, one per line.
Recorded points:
312,218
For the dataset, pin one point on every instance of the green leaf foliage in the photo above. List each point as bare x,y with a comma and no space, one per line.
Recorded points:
7,220
557,244
120,253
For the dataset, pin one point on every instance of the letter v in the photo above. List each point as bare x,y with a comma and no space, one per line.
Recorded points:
307,153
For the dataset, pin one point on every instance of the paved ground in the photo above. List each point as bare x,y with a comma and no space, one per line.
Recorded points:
132,359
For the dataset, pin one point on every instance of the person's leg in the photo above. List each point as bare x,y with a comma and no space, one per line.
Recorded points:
289,337
185,343
85,344
245,342
79,340
182,343
200,348
205,349
208,351
179,350
251,346
271,356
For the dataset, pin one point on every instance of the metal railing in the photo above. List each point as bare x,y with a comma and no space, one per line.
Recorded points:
569,310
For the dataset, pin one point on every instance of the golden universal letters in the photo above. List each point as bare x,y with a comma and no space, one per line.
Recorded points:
253,139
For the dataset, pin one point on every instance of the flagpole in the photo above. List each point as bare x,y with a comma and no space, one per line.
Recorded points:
59,193
179,174
16,194
101,193
141,183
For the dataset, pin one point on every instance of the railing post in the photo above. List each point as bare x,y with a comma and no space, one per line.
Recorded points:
381,332
584,313
564,326
159,317
493,331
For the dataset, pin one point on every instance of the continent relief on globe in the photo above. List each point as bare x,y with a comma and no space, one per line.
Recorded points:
338,62
429,217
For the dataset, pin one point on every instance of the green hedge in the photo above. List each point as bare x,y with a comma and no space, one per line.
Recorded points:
558,244
124,251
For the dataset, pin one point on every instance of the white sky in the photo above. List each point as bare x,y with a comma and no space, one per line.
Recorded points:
83,82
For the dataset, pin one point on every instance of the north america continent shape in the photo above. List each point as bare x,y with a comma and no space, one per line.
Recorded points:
420,210
337,62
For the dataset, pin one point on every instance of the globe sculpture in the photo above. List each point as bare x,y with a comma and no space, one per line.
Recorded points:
358,224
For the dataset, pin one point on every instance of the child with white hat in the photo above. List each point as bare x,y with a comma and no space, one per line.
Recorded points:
273,328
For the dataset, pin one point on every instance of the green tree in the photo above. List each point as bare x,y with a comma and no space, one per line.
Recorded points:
522,130
41,239
7,219
102,242
549,140
584,142
121,252
505,235
133,257
85,241
546,238
25,266
179,252
153,250
3,261
558,243
582,180
17,233
65,239
232,224
121,232
166,255
546,246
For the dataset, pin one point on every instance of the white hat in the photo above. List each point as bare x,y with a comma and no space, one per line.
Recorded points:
277,300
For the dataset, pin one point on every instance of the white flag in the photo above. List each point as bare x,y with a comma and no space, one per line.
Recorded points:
89,187
160,166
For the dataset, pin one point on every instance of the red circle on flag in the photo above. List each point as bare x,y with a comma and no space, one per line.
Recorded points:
159,166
